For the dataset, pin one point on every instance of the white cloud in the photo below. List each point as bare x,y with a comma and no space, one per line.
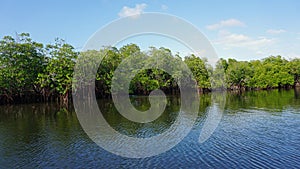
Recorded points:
226,23
229,40
164,7
298,37
137,10
276,31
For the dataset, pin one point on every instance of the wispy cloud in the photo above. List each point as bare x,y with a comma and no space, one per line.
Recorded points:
229,40
276,31
137,10
164,7
226,23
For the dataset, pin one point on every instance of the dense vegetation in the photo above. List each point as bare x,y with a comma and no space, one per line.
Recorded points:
31,71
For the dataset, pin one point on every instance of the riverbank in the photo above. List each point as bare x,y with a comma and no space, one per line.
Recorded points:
32,97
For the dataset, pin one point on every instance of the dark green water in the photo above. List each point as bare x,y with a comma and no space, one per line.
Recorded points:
258,129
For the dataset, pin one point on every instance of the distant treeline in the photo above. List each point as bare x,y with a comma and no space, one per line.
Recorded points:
34,72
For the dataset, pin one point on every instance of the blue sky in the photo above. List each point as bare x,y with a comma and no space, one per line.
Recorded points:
244,30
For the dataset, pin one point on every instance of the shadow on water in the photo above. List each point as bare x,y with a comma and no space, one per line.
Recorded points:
270,101
140,130
297,92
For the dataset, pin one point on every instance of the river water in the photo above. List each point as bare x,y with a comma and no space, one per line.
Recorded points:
258,129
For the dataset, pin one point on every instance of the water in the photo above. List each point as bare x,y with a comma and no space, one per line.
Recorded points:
258,130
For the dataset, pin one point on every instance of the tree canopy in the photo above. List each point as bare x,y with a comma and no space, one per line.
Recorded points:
46,70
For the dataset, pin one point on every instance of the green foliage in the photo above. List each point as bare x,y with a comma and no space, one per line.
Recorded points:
47,70
271,72
57,76
293,67
238,73
199,70
20,61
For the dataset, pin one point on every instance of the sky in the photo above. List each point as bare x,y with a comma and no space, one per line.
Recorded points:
244,30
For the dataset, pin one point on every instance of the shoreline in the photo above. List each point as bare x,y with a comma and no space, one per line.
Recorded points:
38,98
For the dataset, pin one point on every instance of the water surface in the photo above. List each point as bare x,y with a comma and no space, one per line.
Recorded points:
258,129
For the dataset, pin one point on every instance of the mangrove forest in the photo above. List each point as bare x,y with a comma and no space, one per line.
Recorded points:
34,72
